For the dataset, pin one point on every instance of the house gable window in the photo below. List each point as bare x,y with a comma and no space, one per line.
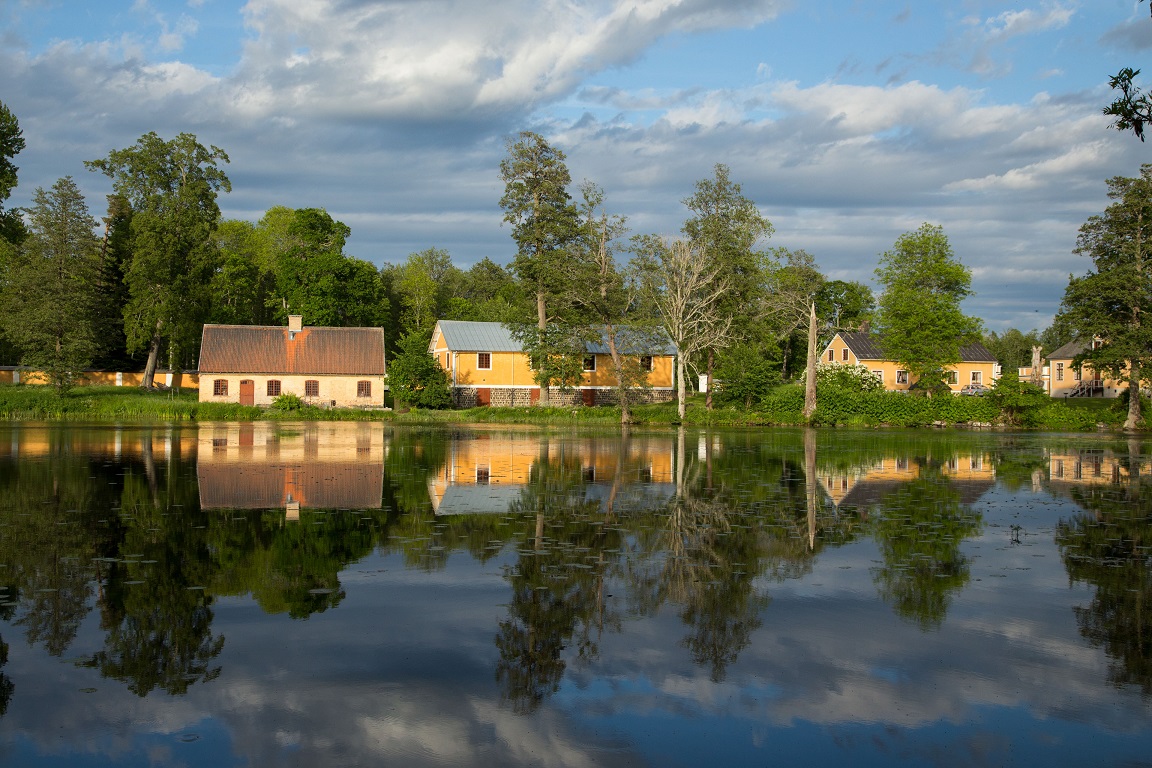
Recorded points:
484,361
220,387
844,354
312,388
273,388
831,355
363,389
590,363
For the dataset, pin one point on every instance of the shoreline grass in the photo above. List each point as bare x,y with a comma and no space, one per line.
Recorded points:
21,402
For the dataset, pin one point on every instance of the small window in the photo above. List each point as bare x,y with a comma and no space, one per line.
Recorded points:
590,363
311,388
901,377
484,361
363,389
1059,371
447,361
483,475
1076,375
844,353
831,355
951,377
976,377
646,362
589,474
220,387
273,388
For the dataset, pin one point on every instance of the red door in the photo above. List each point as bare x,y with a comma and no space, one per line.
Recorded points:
247,392
534,396
483,396
589,397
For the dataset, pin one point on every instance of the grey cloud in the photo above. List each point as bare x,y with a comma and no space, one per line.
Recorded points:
1132,35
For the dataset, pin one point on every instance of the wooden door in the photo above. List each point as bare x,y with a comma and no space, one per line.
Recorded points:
534,396
589,397
483,396
247,392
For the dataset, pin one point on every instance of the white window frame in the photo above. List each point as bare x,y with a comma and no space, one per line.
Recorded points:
977,377
901,377
879,376
587,368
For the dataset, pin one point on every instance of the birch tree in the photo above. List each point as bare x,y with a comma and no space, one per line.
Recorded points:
688,290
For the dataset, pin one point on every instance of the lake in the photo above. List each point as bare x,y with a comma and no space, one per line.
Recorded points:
340,594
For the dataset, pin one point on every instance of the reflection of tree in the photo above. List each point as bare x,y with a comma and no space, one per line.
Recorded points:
558,581
919,531
1108,547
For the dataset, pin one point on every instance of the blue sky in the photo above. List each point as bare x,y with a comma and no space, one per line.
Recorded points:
848,123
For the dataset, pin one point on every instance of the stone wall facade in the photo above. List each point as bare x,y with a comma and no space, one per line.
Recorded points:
522,397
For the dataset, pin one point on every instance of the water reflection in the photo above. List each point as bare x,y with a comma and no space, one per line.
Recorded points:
555,578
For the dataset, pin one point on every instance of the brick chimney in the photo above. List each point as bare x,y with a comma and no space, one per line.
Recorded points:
295,323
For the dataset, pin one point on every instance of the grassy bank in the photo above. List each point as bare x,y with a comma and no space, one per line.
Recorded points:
782,408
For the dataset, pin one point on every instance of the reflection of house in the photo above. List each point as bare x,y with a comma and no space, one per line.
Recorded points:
868,486
137,442
255,364
977,365
1094,466
327,465
486,473
488,366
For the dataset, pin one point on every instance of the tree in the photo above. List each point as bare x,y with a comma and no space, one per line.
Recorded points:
845,305
1013,348
1133,108
425,283
726,225
920,322
544,223
172,187
49,294
242,285
1110,302
11,144
687,289
111,291
793,288
414,376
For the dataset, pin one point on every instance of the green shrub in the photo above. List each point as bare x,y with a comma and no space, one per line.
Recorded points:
287,402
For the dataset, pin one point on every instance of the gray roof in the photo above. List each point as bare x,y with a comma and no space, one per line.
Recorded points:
469,336
1068,351
868,346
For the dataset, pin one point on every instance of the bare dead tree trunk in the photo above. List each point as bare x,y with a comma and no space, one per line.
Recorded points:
708,396
810,366
1037,369
681,386
810,483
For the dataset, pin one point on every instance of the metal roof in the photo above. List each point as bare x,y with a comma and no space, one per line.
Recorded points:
470,336
274,349
868,346
1068,351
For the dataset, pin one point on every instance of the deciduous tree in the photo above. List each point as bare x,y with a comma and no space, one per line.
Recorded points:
172,187
1112,301
11,144
920,322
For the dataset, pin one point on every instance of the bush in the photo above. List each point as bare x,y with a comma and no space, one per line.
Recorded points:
846,378
288,403
1019,402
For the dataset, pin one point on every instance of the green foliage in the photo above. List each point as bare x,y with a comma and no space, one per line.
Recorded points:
1013,349
919,319
172,188
48,303
746,375
846,378
845,305
556,353
288,402
1019,401
11,144
1111,302
414,376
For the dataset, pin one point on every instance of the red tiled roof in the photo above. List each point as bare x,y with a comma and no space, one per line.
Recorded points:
268,349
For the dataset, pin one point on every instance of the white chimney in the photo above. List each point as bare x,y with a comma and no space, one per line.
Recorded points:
295,323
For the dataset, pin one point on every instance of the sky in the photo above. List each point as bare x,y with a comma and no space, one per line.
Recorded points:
848,123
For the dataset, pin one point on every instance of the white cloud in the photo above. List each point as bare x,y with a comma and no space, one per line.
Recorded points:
1027,21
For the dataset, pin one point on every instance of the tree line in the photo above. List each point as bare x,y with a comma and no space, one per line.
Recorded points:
135,288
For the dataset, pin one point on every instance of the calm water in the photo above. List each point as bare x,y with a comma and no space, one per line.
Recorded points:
354,595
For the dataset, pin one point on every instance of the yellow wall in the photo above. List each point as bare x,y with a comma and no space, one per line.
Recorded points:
183,379
342,389
888,369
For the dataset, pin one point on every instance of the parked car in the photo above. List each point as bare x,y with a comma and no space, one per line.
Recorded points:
974,389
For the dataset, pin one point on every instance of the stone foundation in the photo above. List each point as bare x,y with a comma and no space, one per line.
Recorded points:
522,397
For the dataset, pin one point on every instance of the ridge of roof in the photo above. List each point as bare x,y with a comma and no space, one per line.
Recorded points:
866,345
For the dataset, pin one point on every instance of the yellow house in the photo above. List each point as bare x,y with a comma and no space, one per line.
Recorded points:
487,366
977,365
255,364
1065,381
